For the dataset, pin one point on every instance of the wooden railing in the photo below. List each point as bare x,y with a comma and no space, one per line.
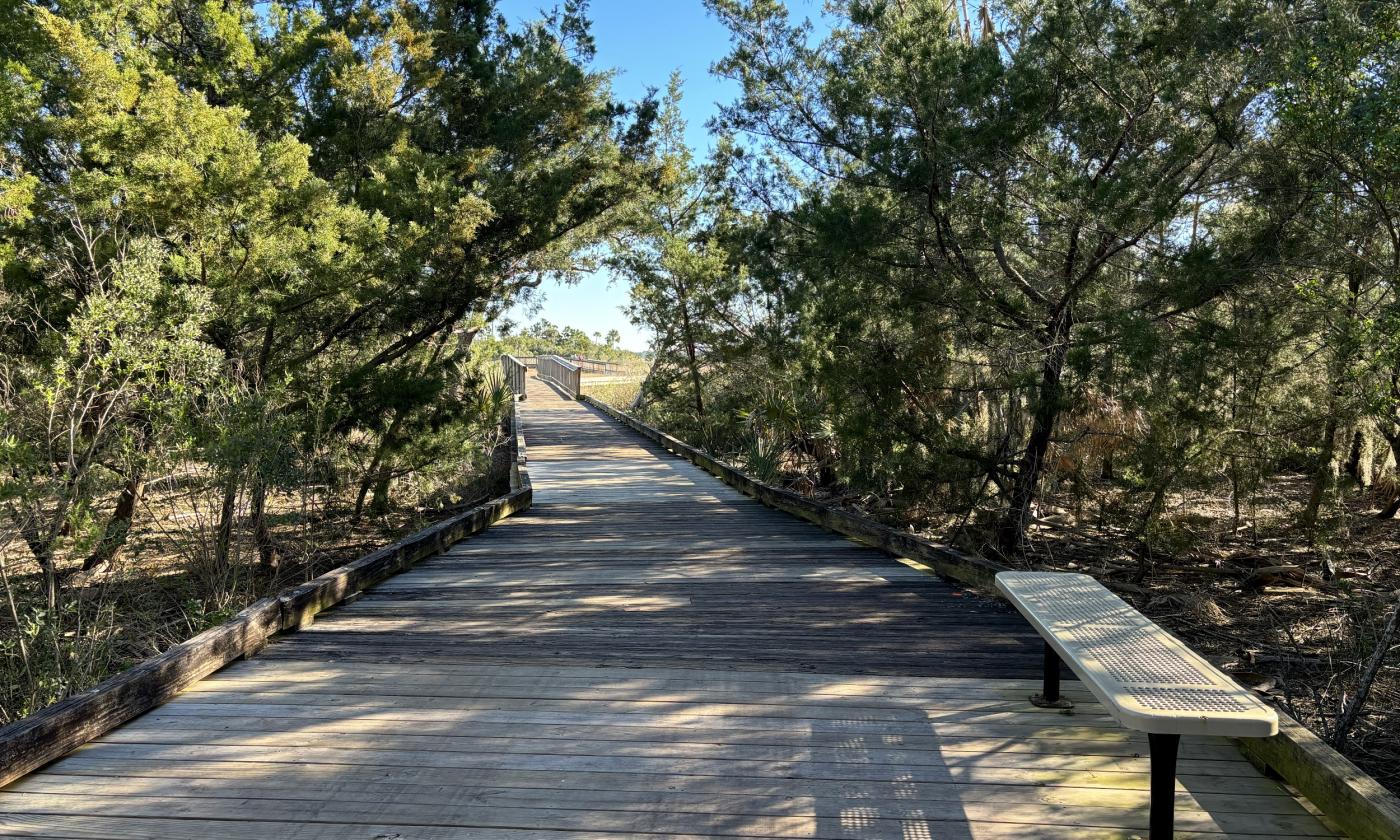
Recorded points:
586,365
560,373
596,365
514,371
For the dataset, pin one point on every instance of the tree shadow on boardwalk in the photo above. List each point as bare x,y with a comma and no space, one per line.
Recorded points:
643,654
507,751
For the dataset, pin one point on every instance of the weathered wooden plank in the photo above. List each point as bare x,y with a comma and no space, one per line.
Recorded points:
954,736
998,722
693,675
731,661
635,764
831,824
629,741
292,773
736,653
643,793
68,827
247,828
1000,713
1088,740
438,685
706,686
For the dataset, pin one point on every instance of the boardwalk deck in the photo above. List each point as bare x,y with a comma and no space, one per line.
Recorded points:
644,654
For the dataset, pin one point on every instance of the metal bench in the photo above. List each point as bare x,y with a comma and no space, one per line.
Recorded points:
1146,678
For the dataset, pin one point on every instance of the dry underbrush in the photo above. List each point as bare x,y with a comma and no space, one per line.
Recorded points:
164,588
1297,619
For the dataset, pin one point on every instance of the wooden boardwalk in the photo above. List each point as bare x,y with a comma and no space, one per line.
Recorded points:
644,654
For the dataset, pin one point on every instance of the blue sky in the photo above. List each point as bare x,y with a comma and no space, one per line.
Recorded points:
644,41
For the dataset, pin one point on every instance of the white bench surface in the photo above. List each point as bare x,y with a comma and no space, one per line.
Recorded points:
1147,678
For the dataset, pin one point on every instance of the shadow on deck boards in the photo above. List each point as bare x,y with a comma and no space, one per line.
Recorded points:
645,653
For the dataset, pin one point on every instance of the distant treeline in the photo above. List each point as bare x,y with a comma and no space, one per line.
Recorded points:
544,338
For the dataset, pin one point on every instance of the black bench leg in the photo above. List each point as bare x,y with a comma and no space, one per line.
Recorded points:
1163,785
1049,696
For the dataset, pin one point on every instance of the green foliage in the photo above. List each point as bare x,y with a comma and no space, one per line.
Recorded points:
968,272
252,244
686,287
1124,249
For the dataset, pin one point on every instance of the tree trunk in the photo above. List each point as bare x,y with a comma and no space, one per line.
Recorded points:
41,545
1368,677
689,337
269,558
820,454
1353,464
1324,472
1154,507
374,488
1234,494
1392,438
1049,403
119,526
1390,430
366,482
223,537
377,476
659,351
379,501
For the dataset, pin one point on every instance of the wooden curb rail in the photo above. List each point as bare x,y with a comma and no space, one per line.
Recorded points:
30,743
1344,792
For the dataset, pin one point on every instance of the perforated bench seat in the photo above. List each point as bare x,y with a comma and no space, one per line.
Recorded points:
1146,678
